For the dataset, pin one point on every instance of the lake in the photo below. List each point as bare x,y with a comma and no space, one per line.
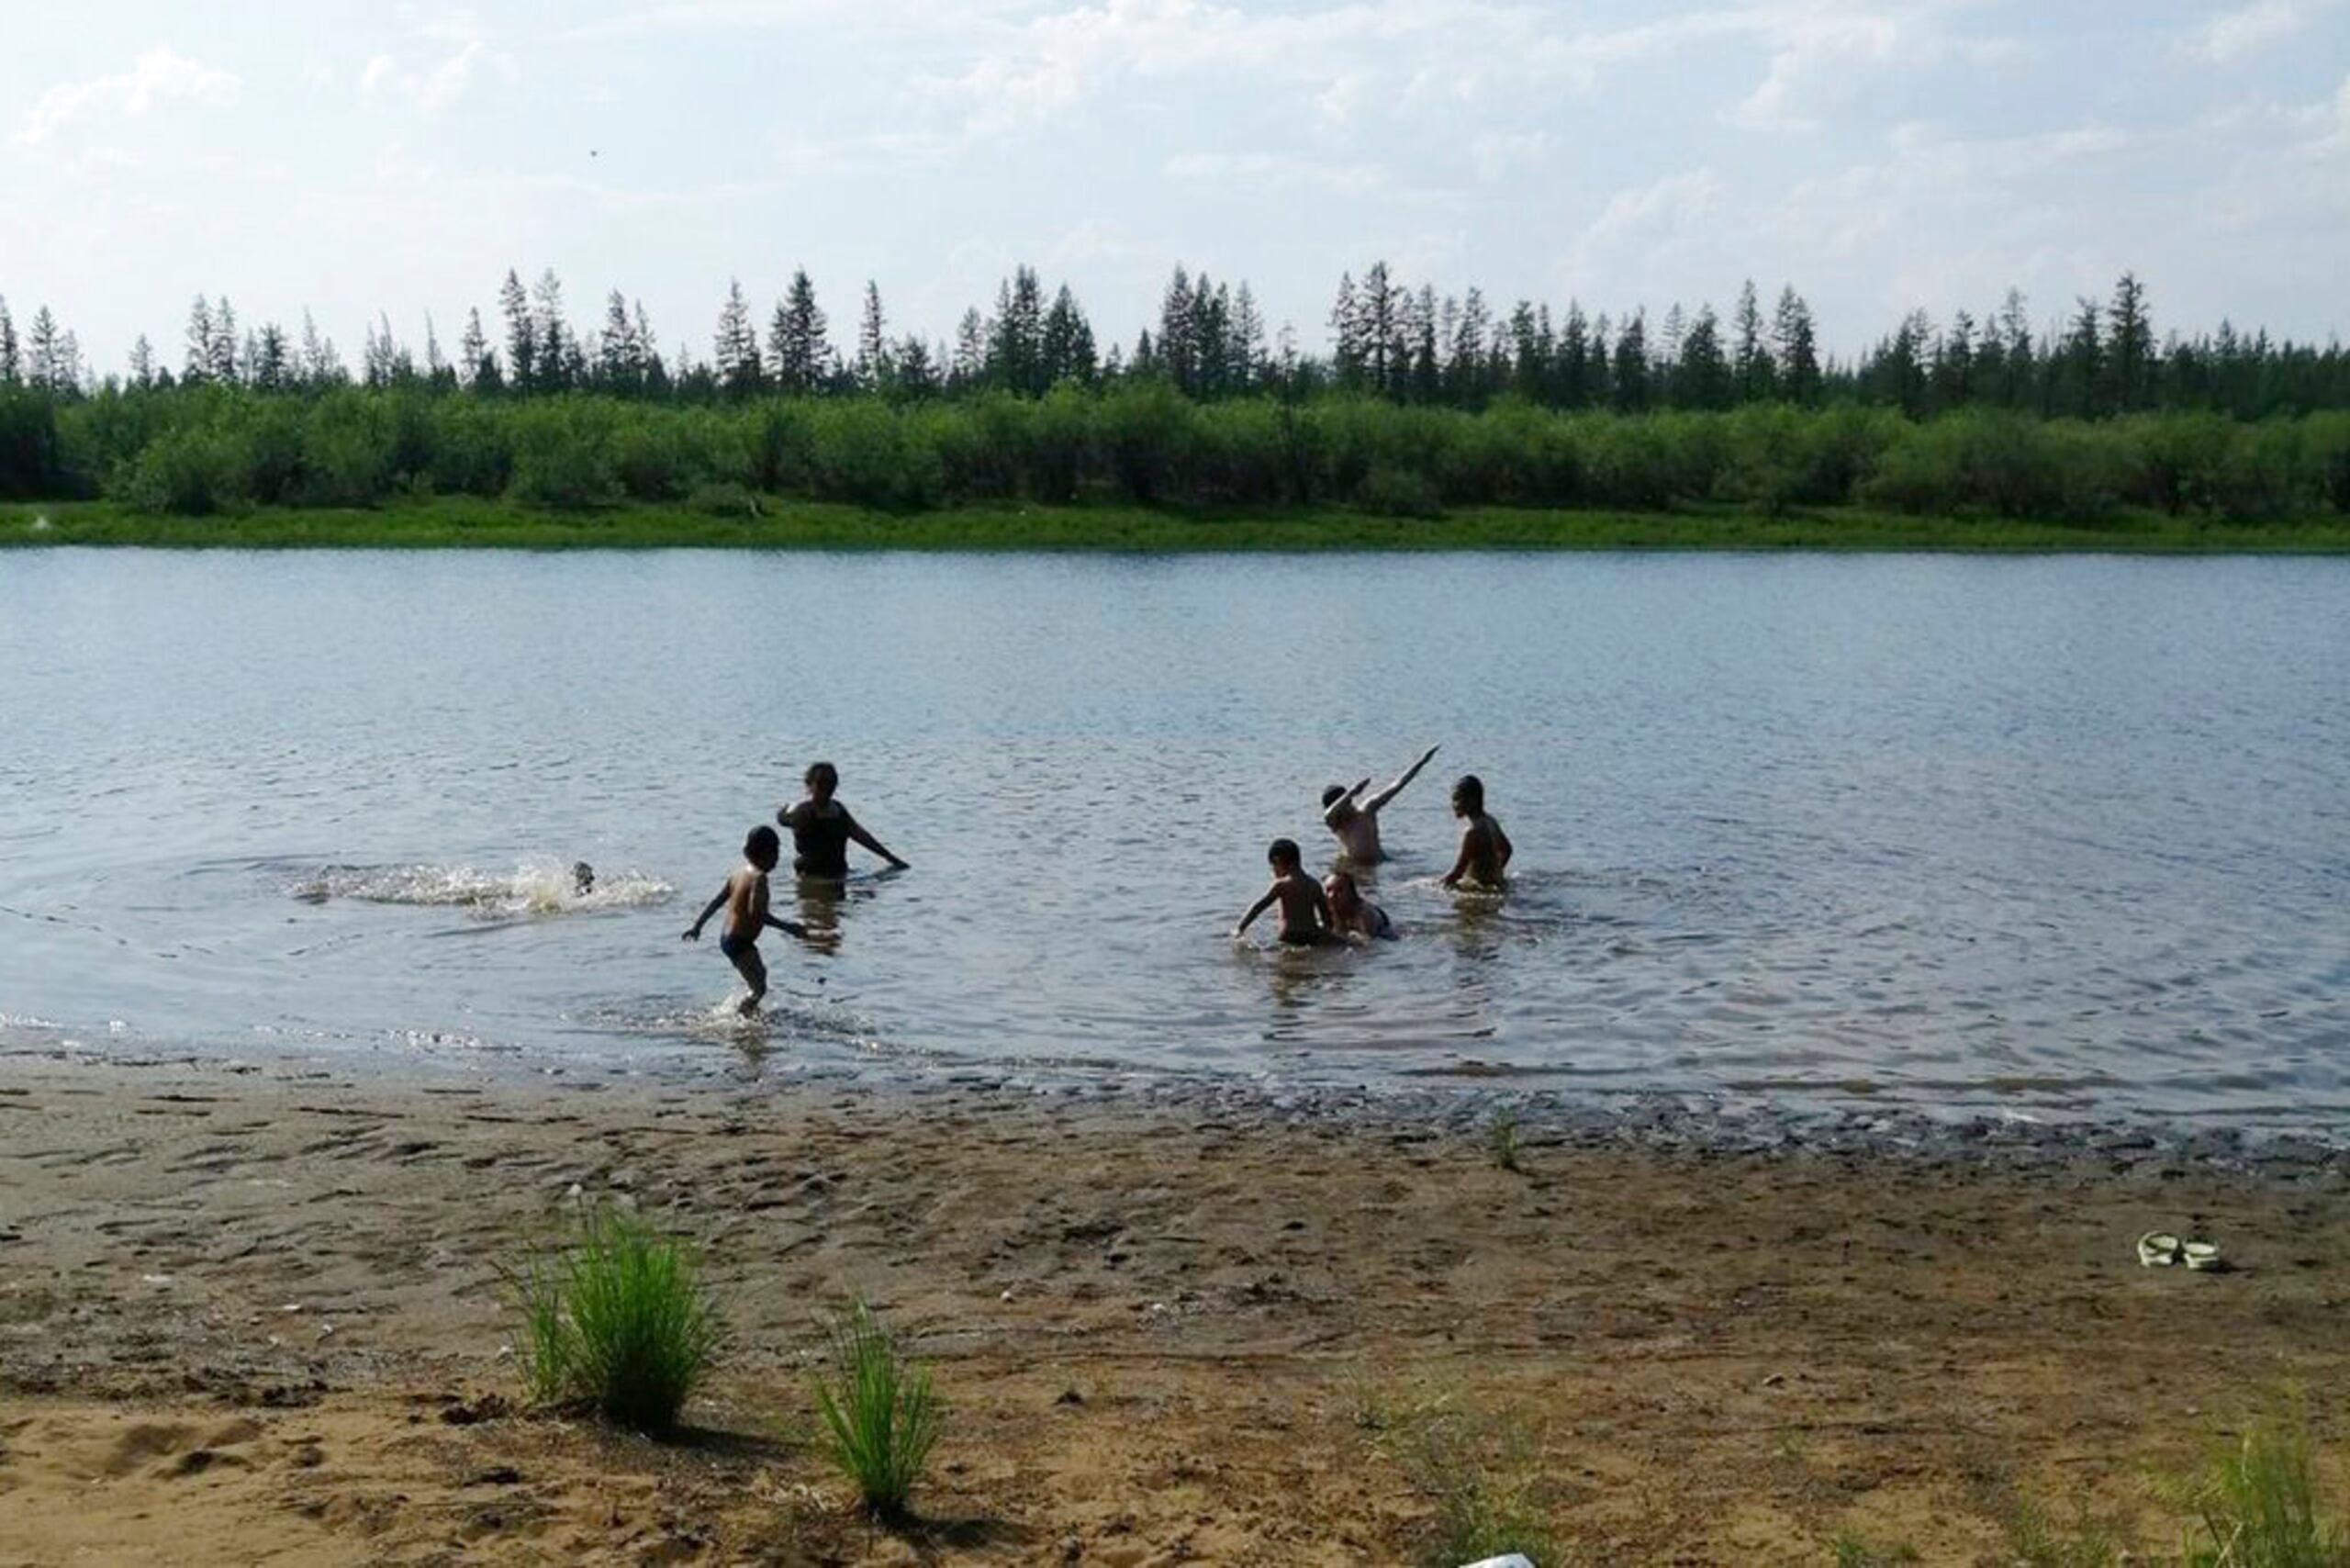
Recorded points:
2048,835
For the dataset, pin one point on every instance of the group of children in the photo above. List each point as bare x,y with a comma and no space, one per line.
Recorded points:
1333,909
1312,913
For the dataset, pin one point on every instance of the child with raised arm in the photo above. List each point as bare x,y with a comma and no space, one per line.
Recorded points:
1484,847
1353,819
744,897
1305,909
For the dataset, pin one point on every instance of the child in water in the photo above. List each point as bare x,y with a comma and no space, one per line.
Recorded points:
1351,914
746,898
1305,909
1484,847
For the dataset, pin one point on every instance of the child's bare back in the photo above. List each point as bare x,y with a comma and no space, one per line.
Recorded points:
744,899
1305,909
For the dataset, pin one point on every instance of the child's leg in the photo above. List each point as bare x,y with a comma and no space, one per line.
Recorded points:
754,971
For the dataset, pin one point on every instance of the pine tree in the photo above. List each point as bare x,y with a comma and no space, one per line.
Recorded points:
1248,357
2130,345
917,371
473,352
270,366
1384,354
2014,351
1067,347
1348,358
521,334
559,355
1799,376
1464,365
735,347
2082,362
1011,352
1579,353
1704,379
436,366
142,360
220,359
1423,374
1954,373
198,366
11,369
970,360
619,359
798,354
1632,365
1750,362
872,367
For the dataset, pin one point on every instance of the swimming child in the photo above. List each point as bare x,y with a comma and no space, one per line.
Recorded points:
1305,909
1356,822
1351,914
745,899
582,878
1484,847
822,829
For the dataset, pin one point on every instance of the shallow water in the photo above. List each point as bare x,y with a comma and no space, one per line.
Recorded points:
2044,835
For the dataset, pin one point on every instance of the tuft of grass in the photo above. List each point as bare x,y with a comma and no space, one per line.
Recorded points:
2035,1541
1501,1142
617,1319
2255,1501
880,1416
1482,1474
1857,1552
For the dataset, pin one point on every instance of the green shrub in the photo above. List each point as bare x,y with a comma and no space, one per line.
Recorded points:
29,457
618,1319
2255,1501
346,451
1480,1474
880,1416
1398,492
564,455
194,472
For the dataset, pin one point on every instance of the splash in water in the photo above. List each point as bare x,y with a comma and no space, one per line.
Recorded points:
539,886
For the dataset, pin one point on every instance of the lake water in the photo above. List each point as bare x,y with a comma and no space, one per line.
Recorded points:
2048,835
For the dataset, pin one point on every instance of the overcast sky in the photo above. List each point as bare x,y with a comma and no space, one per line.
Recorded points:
1880,154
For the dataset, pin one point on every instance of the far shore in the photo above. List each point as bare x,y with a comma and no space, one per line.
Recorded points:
454,523
259,1314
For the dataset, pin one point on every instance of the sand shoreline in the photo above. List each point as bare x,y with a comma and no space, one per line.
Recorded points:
257,1315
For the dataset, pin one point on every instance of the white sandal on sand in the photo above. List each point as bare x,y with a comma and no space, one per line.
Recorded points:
2160,1249
2202,1255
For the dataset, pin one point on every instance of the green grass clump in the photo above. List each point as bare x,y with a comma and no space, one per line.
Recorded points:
2035,1541
618,1319
2255,1501
1857,1552
1481,1472
1501,1142
880,1416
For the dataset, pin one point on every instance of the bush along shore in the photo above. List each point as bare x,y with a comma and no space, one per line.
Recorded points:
1139,465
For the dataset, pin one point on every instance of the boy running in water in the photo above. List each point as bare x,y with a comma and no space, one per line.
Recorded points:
744,897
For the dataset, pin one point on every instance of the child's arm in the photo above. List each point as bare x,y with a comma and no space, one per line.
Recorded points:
1331,810
788,927
1500,845
1259,907
1321,905
693,931
867,839
1376,802
1462,862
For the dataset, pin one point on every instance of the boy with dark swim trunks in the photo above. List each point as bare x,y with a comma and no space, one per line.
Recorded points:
745,899
822,830
1305,909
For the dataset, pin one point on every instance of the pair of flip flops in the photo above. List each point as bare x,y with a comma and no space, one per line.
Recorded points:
2161,1250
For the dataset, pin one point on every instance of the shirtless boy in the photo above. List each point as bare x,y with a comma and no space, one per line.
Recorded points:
1355,821
1484,847
1305,909
744,897
1351,914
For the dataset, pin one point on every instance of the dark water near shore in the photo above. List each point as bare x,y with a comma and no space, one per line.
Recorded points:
2051,835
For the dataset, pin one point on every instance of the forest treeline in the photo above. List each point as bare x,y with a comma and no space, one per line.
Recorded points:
1418,403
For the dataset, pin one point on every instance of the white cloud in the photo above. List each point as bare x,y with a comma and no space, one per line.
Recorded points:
431,90
2251,29
1275,169
160,76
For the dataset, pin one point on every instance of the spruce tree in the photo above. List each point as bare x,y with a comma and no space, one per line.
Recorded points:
271,366
1799,374
142,360
1704,379
11,369
559,355
2130,345
1752,360
798,356
1347,359
197,365
872,343
472,350
521,334
735,347
1632,377
220,359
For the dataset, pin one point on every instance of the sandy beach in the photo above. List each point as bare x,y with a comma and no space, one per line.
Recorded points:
258,1315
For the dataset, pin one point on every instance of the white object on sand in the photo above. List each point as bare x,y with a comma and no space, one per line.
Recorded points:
1514,1560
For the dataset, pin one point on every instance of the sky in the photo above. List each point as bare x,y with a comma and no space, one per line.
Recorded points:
1881,155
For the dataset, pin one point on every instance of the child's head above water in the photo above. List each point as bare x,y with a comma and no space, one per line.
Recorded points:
762,849
822,779
1468,796
1339,887
1333,795
1283,855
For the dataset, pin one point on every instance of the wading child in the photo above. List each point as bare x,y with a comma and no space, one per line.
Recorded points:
1484,847
744,897
1305,909
1351,914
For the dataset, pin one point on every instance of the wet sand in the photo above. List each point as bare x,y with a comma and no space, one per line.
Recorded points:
251,1315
